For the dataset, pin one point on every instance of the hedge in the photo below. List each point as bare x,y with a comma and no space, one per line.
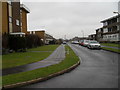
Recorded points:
17,43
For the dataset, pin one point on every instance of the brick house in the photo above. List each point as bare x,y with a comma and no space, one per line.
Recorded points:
14,17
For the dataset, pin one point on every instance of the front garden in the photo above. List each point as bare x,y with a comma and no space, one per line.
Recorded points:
108,46
30,56
70,60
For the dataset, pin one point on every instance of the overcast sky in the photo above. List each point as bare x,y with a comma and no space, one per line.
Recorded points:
69,18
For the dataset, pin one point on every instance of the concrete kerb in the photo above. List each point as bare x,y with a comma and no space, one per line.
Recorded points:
41,79
110,50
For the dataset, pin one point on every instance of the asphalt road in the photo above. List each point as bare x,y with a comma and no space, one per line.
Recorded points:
98,69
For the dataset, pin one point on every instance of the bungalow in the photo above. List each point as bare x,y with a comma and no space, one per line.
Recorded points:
92,37
46,38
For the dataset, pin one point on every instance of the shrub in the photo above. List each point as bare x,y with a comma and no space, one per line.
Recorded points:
4,40
5,45
52,42
59,41
17,43
33,41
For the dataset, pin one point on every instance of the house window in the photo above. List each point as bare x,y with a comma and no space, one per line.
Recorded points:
105,24
109,29
10,19
105,30
17,22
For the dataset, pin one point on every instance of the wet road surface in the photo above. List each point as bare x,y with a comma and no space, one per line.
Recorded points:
57,56
98,69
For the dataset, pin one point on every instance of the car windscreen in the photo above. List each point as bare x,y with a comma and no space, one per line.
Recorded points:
86,41
93,42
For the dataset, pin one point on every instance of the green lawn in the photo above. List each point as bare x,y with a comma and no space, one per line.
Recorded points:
21,58
44,48
70,60
112,49
110,44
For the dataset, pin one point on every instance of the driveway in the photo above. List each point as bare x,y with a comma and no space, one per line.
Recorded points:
98,69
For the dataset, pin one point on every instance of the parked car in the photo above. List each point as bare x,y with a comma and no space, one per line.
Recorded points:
84,42
81,42
94,45
64,42
75,42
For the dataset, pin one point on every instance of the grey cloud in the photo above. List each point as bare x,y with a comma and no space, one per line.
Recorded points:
69,18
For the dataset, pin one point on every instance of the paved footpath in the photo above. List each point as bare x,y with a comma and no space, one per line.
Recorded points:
57,56
111,47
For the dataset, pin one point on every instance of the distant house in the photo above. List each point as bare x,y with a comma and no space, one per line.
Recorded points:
40,33
99,34
14,17
78,38
92,37
48,38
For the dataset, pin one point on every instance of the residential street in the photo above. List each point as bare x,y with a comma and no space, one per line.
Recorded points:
98,69
59,44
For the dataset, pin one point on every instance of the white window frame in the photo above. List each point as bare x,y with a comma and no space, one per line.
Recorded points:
17,22
10,19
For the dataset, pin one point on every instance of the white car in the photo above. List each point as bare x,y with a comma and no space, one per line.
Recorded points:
85,43
94,45
75,42
64,42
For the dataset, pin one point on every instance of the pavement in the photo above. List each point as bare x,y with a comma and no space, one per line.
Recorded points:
98,69
111,47
56,57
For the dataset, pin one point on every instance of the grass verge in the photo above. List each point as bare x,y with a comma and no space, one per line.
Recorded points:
22,58
44,48
110,44
70,60
112,49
